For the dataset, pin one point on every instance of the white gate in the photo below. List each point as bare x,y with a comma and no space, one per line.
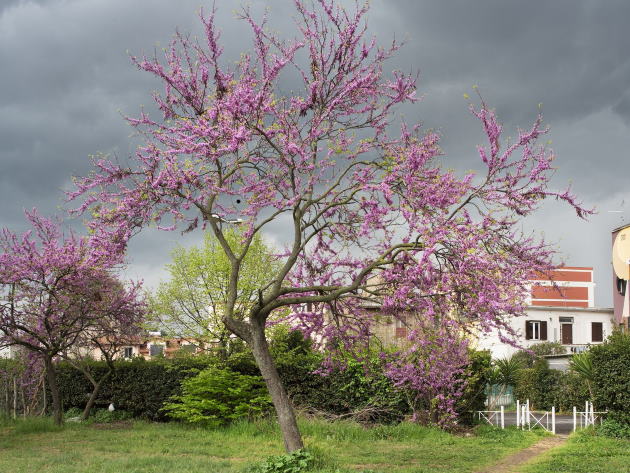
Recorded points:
526,419
589,416
496,418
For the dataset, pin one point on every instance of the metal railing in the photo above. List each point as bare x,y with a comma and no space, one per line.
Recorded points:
588,417
526,418
496,418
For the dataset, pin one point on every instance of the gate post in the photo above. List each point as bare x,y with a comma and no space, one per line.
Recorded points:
574,418
529,426
553,420
502,417
518,413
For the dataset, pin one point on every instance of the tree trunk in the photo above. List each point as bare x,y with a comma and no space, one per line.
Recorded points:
54,390
93,396
279,397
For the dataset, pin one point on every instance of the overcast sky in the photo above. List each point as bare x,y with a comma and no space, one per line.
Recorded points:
66,81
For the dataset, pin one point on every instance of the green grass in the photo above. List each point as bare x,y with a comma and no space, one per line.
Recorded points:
37,446
585,452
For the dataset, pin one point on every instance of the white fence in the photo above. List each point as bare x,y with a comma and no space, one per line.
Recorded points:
496,418
528,419
587,417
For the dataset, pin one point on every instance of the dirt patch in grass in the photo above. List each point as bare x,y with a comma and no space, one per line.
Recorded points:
512,463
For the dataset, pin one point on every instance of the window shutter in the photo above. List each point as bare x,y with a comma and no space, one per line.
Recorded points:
401,332
543,330
528,330
597,332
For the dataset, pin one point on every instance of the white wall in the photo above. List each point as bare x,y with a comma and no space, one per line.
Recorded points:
582,319
5,352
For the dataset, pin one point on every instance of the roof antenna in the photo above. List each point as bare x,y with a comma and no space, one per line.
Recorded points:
622,212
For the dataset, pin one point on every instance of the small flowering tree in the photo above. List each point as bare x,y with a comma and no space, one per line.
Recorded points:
116,321
53,291
430,371
370,217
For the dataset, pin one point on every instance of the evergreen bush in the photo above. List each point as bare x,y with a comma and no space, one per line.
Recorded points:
611,376
216,397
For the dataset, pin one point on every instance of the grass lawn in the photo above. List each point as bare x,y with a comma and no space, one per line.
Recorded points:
587,453
35,445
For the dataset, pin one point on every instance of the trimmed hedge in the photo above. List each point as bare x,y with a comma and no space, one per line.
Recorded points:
545,387
137,386
611,376
360,389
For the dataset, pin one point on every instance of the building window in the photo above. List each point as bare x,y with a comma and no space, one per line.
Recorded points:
597,332
156,350
535,330
621,286
128,352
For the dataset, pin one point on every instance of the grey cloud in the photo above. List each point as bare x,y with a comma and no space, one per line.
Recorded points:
66,79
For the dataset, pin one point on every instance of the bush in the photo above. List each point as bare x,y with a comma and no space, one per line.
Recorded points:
358,390
477,376
295,462
612,427
537,351
540,384
545,387
137,386
611,376
103,416
216,397
355,389
571,391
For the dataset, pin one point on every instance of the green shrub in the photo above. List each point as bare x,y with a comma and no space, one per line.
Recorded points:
612,427
295,462
137,386
540,384
216,397
358,390
611,376
548,348
477,376
527,358
571,391
103,416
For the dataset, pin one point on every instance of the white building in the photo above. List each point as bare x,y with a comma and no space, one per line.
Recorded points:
6,352
561,309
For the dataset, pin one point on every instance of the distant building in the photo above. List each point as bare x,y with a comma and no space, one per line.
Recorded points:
621,274
561,309
155,344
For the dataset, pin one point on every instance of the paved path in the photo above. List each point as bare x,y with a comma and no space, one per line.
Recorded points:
513,463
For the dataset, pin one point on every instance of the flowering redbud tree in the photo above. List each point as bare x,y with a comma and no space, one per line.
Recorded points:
370,217
53,290
116,323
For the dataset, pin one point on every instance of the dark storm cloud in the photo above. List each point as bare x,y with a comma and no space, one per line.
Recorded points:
66,80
